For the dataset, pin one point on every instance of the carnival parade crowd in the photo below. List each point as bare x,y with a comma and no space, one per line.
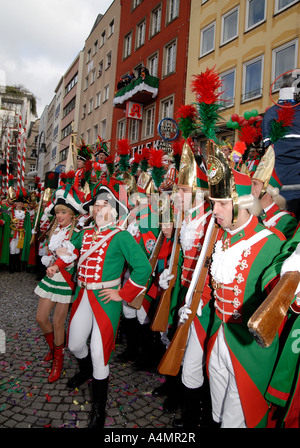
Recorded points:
184,248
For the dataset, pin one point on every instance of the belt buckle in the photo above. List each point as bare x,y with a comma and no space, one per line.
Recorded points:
83,284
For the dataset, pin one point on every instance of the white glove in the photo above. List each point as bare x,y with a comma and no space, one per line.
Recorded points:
292,263
164,279
183,313
199,310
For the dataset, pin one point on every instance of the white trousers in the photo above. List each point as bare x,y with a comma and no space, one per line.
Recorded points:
193,362
13,250
84,324
130,313
226,403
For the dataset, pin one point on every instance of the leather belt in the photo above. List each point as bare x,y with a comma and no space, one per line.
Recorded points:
99,285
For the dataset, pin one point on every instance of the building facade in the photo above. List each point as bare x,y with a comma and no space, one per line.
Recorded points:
153,35
98,77
250,44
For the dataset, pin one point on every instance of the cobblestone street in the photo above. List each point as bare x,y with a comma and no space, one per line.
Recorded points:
27,400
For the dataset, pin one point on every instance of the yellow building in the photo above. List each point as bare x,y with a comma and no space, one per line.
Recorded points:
250,43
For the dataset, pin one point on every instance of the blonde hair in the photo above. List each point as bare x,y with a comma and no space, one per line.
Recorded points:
61,207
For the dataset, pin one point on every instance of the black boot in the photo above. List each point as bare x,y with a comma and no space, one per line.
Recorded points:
99,398
11,267
146,360
174,390
85,372
196,408
132,350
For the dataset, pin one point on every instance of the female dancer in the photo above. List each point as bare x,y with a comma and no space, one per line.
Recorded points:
57,292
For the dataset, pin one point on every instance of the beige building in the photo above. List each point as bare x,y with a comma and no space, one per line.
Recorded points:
98,79
250,44
68,116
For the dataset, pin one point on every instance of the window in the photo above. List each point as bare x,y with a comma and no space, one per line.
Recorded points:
93,76
140,34
53,154
63,154
66,131
153,65
86,82
98,99
252,79
71,84
95,133
103,128
121,129
133,130
88,137
167,107
136,3
108,60
96,46
102,39
84,111
155,21
228,88
127,45
31,168
70,106
284,58
88,55
280,5
111,28
91,105
148,122
229,28
173,10
170,58
207,39
100,69
106,93
255,13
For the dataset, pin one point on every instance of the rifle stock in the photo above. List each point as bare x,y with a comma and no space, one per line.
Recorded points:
172,359
37,219
137,301
267,319
161,317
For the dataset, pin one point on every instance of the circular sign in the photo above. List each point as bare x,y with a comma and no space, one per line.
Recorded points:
168,129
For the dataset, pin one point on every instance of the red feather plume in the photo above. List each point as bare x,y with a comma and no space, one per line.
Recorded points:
123,147
206,86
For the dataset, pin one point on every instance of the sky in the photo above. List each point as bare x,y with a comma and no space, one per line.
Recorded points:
39,39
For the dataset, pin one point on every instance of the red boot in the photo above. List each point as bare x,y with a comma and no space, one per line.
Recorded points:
50,341
58,362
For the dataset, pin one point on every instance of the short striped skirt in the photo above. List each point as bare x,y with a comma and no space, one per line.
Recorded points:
56,289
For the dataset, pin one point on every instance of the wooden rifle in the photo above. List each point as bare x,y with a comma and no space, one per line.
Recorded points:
137,301
172,359
267,319
34,230
161,317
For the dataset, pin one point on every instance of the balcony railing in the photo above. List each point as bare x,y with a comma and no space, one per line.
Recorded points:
141,89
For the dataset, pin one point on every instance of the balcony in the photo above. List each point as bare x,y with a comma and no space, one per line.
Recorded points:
141,90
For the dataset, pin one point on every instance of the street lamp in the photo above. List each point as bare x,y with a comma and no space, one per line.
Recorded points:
41,146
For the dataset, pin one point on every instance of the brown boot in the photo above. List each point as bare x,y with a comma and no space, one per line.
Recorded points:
57,364
50,341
